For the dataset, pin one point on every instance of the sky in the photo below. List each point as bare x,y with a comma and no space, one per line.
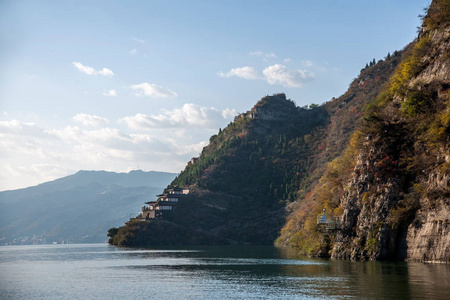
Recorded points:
125,85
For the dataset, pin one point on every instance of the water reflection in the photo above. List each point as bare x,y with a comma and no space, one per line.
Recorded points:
274,267
210,272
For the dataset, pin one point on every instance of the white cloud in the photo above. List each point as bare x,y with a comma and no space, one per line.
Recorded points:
89,120
279,74
229,113
92,71
133,51
110,93
106,72
152,90
84,69
275,74
244,72
189,115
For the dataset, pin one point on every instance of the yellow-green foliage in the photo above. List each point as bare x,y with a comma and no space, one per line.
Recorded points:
373,107
439,129
414,100
308,239
365,197
404,73
409,67
438,14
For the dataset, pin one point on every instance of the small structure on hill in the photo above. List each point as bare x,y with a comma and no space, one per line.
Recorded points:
328,222
163,205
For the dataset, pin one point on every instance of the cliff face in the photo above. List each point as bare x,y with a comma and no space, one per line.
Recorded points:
397,202
373,191
428,235
390,188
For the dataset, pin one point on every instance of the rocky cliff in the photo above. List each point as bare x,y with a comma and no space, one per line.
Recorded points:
390,190
428,235
397,203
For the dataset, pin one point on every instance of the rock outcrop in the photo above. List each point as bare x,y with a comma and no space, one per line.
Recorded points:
428,237
397,203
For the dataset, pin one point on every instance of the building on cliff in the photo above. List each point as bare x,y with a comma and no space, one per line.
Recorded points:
327,222
163,205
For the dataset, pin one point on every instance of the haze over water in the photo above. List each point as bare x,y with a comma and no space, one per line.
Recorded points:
100,271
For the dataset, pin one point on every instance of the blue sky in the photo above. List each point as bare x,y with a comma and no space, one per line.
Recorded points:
120,85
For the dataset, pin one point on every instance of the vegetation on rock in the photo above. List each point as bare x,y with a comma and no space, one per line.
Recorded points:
382,181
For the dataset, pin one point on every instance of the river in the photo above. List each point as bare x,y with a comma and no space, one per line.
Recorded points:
100,271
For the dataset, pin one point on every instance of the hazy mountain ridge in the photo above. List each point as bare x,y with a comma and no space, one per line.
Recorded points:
77,208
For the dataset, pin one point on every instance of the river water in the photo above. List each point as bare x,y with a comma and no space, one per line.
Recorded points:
100,271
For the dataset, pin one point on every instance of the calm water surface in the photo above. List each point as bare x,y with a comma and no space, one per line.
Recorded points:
100,271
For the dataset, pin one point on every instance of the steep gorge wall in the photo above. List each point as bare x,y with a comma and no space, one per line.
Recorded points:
376,187
397,202
428,236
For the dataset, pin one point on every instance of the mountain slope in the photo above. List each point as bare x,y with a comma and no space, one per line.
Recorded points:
390,189
76,208
260,163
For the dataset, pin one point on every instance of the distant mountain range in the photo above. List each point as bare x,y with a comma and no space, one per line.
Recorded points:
77,208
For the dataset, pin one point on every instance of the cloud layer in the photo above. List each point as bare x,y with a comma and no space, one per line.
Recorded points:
164,141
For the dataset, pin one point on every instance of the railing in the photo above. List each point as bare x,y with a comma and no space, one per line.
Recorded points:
333,225
330,223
